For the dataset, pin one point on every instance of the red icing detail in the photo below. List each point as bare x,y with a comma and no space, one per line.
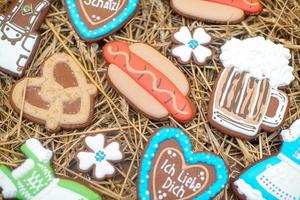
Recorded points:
249,6
180,101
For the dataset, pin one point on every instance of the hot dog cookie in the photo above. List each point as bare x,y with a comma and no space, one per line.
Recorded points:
217,11
149,81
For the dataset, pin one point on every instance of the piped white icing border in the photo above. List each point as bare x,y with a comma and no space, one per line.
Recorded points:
39,151
9,189
245,189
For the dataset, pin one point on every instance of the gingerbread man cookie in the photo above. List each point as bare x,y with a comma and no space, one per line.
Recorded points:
96,19
217,11
35,178
18,37
60,98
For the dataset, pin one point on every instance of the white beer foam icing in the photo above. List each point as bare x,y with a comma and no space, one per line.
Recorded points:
261,58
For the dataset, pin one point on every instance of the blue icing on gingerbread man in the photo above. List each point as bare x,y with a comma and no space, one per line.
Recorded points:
277,177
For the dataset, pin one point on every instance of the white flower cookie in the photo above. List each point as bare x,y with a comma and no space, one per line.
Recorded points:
98,156
190,46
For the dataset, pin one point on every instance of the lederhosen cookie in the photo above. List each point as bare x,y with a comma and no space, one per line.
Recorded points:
18,38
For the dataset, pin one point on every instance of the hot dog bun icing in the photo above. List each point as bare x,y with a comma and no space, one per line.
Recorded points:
150,82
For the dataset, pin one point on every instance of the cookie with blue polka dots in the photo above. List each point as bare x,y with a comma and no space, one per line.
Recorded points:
96,19
171,170
99,157
191,46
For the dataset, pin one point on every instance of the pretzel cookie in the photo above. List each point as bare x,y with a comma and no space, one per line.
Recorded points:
149,81
60,97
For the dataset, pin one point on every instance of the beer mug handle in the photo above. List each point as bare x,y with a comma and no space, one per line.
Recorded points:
276,120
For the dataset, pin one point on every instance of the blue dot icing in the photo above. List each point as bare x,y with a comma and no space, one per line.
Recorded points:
193,44
190,158
99,156
86,33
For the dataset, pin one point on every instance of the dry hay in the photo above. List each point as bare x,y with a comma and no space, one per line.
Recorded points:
153,24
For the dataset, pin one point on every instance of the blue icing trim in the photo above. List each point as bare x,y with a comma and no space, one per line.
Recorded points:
190,158
274,178
101,31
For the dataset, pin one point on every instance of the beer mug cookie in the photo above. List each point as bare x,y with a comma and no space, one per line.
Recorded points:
35,178
246,97
61,97
276,177
217,11
18,37
149,81
170,170
96,19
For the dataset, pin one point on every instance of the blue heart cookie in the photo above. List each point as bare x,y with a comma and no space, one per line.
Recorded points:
95,19
170,169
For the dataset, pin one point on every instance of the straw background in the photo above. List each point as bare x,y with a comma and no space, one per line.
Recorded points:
153,24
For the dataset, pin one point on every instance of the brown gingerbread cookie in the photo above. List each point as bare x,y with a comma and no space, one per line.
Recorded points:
99,157
246,98
171,170
149,81
18,37
190,46
96,19
60,97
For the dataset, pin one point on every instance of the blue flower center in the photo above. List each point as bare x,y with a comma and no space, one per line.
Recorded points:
193,44
99,156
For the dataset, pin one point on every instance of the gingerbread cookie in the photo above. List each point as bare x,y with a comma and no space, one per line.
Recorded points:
217,11
189,47
171,170
60,98
276,177
96,19
35,178
246,97
99,157
149,81
18,37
